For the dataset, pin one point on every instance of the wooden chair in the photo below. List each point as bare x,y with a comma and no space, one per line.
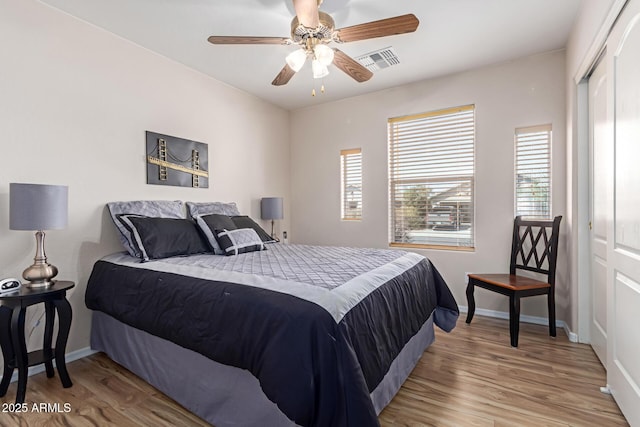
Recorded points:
534,248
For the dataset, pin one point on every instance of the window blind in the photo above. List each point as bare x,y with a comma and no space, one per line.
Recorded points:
351,183
533,171
431,179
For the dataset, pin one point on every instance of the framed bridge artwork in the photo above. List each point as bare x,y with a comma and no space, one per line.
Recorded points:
176,161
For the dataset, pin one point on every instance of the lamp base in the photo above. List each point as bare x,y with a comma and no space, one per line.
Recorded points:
40,273
273,234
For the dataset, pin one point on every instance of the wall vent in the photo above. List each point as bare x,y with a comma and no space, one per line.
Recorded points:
379,59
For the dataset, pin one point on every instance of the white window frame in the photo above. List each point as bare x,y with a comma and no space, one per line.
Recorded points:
351,196
433,152
532,172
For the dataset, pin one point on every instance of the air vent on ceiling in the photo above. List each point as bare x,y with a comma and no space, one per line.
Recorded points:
379,59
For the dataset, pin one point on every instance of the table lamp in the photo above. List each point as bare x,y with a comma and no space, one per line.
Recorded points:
38,207
271,208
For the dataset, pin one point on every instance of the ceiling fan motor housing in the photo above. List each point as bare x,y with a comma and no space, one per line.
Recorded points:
323,32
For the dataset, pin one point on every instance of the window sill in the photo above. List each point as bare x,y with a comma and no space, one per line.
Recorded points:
437,247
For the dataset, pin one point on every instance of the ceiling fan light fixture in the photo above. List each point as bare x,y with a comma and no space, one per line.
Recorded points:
324,54
319,70
296,59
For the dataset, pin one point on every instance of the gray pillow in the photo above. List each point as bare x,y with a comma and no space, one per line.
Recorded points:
151,208
196,208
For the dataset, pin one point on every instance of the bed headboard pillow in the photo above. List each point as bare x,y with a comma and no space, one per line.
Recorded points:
150,208
209,224
239,241
243,221
197,208
158,238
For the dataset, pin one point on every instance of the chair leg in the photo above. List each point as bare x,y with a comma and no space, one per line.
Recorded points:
514,319
551,302
471,302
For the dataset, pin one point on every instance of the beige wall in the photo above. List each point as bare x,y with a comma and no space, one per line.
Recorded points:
524,92
75,102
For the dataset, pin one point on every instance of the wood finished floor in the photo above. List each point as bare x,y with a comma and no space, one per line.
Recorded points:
471,377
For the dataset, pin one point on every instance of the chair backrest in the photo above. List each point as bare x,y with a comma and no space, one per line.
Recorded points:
535,246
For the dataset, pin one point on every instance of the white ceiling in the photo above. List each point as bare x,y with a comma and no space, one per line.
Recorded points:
454,35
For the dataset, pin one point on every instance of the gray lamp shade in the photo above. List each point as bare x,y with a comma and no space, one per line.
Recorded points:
271,208
38,206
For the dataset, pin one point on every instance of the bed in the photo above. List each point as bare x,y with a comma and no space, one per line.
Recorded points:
282,335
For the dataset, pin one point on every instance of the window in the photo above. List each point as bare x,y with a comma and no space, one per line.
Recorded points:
351,183
431,179
533,171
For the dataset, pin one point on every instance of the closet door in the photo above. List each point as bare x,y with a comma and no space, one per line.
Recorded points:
600,189
623,255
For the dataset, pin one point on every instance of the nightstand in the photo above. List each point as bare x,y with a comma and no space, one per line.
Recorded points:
13,307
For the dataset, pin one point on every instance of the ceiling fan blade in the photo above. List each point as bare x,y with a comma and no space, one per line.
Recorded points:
350,66
307,12
283,76
385,27
248,40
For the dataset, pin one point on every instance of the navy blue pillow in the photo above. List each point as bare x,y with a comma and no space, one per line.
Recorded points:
243,221
209,224
166,237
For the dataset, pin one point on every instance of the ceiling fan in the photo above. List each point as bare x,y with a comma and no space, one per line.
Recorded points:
313,30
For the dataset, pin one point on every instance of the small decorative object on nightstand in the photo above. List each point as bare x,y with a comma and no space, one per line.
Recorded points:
13,307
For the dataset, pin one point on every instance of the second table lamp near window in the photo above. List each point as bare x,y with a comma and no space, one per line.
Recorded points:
271,208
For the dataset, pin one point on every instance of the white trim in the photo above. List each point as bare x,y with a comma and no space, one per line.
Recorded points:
523,318
599,41
69,357
582,247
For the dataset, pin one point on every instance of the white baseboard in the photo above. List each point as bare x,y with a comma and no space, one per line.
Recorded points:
523,318
69,357
573,337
